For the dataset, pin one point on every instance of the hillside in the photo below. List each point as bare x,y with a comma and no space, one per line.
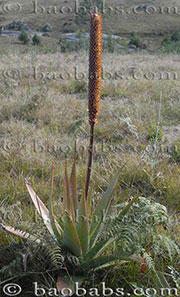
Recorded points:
123,17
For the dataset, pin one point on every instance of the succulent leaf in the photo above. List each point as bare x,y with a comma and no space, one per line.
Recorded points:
71,239
73,183
82,223
101,211
99,262
68,201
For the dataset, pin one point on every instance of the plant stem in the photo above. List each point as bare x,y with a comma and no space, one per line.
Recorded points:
90,159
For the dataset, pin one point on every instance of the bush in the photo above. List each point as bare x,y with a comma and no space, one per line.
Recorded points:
24,37
36,40
135,40
175,36
166,41
169,46
79,33
20,27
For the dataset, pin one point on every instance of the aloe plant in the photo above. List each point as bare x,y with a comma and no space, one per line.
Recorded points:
80,232
82,229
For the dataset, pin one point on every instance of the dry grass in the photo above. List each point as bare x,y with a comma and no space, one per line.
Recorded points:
39,121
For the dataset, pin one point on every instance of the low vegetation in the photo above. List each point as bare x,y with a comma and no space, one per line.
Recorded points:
24,37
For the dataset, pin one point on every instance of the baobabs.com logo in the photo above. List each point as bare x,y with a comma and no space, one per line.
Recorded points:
95,81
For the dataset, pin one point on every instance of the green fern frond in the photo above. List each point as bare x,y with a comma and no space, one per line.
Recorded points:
166,247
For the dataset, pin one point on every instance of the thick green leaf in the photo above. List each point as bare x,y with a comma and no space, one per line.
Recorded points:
99,262
73,183
101,211
82,223
99,247
71,239
56,228
67,198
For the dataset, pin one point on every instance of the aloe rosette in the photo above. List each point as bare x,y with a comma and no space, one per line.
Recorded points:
82,227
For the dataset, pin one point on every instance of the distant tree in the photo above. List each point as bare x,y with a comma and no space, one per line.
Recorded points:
36,40
24,37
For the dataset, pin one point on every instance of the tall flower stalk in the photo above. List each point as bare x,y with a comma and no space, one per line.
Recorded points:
95,80
82,232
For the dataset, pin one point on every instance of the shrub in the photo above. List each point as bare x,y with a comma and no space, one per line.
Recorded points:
36,40
24,37
171,44
20,27
175,36
166,41
135,40
78,33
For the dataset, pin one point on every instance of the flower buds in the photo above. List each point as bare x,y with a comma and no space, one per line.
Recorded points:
95,67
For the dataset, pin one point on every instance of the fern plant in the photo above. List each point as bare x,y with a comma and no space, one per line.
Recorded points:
144,230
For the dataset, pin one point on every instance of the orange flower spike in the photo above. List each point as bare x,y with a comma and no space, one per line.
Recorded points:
95,67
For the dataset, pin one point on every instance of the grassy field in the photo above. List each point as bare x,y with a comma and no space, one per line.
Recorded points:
46,104
44,115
